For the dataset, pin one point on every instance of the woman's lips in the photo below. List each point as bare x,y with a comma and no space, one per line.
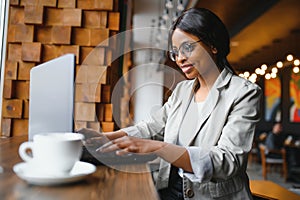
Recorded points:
186,68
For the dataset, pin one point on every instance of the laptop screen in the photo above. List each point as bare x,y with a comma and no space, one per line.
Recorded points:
51,99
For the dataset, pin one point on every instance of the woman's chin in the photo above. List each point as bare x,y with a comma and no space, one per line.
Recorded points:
190,75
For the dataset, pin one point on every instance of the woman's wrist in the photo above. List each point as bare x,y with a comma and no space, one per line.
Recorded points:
170,152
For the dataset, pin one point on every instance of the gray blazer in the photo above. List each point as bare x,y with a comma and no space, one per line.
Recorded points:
219,148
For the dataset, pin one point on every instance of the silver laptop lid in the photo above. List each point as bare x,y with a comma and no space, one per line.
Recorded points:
51,100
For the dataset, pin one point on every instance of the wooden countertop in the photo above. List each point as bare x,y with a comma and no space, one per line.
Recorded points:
105,183
270,190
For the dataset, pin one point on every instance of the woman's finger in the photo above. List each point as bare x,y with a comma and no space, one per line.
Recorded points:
108,147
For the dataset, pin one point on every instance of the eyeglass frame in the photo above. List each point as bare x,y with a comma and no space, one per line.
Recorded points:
176,53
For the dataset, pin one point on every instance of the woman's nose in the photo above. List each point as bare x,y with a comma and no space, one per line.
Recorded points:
181,57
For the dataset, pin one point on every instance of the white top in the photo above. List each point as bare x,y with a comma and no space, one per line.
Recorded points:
189,124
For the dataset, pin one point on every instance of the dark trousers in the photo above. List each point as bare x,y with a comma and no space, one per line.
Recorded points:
174,189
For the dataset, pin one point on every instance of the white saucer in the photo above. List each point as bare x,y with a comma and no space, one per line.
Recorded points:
79,171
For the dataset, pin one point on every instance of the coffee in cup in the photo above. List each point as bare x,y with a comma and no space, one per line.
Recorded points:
52,153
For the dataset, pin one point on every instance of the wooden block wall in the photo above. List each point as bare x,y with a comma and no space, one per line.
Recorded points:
41,30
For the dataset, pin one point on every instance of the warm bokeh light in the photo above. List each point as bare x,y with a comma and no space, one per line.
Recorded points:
272,73
246,74
258,71
296,69
274,70
289,57
264,67
279,64
254,75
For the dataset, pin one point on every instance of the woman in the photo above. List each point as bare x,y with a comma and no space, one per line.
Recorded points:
207,123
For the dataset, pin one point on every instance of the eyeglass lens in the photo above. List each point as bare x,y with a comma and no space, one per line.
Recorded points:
185,50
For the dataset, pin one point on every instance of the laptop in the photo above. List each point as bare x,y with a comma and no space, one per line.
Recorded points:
51,107
51,98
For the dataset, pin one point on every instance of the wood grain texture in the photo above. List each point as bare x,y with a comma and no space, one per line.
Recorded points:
31,51
14,2
91,74
61,35
11,70
132,182
12,108
106,93
24,70
107,126
6,127
20,127
8,89
114,21
88,92
72,17
33,14
21,89
14,52
84,111
95,4
16,15
42,30
270,190
66,3
94,19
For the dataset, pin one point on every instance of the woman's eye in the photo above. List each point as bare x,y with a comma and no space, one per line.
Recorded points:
186,47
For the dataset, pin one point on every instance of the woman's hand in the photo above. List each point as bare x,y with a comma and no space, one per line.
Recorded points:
129,144
96,139
174,154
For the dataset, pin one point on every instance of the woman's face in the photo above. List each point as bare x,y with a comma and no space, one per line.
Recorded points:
199,60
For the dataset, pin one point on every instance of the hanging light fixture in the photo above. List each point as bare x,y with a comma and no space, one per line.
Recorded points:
166,14
180,6
169,4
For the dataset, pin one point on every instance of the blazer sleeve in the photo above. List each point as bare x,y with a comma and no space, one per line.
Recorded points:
229,155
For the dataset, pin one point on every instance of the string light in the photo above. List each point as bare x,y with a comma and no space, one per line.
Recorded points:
180,6
246,74
274,70
268,76
296,69
273,75
264,67
169,4
279,64
262,70
289,57
258,71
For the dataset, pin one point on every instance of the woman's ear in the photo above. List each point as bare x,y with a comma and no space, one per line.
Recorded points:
214,50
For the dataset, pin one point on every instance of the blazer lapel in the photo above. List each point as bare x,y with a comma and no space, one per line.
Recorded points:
210,103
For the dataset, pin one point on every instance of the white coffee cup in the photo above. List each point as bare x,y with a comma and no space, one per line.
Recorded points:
52,153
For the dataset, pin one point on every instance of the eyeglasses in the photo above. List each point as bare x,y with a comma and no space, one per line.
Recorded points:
185,50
